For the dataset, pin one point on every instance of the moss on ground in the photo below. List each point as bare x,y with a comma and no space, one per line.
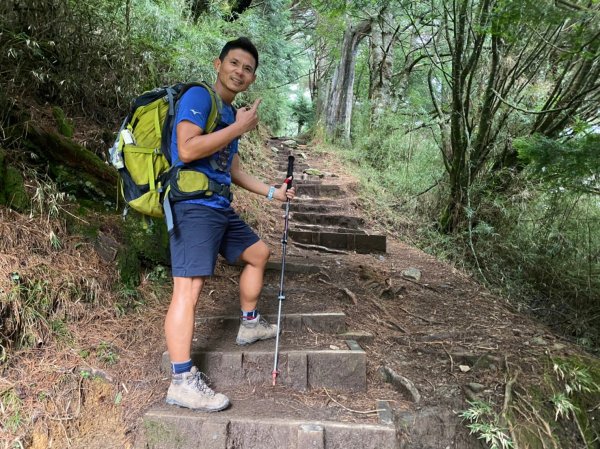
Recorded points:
64,125
12,186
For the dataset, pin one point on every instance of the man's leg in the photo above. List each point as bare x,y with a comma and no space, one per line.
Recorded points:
251,279
253,327
187,389
179,323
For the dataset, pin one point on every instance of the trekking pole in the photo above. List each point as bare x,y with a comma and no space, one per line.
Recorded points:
281,297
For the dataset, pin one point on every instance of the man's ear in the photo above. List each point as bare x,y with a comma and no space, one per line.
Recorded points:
217,63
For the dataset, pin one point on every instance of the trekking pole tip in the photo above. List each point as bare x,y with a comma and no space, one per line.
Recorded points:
274,374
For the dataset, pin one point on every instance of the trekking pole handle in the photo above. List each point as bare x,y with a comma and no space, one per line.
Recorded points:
290,171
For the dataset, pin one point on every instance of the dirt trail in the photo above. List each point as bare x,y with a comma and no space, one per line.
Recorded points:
443,335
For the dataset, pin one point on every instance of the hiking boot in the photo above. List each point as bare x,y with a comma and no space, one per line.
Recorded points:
254,330
190,390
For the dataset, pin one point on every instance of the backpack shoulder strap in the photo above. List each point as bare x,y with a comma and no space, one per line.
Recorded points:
215,110
174,94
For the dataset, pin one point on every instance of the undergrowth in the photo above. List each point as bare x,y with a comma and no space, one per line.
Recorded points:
53,286
560,411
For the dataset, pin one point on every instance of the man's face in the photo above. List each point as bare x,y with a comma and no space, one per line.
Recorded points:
236,71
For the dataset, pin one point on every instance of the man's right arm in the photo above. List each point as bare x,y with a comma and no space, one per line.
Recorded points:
193,144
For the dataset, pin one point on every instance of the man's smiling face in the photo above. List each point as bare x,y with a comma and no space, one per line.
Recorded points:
236,72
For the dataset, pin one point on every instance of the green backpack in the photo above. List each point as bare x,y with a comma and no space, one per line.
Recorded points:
142,154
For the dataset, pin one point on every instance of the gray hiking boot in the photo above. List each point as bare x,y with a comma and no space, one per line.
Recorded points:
190,390
251,331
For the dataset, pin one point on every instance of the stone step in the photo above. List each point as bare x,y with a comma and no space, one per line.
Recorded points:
299,175
298,182
322,228
282,157
275,422
291,266
329,219
306,200
323,208
299,369
323,190
361,243
326,322
298,166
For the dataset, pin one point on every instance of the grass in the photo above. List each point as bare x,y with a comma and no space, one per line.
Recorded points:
10,411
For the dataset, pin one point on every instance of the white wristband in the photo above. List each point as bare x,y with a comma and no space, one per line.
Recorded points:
271,192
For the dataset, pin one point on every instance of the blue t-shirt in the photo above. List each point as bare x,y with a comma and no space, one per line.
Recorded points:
194,106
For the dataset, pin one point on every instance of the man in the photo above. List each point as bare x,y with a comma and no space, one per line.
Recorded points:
208,226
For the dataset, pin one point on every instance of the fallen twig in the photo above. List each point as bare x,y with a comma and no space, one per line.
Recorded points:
451,359
362,412
420,285
389,317
417,316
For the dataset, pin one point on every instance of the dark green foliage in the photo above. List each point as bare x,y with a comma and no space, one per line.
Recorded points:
65,126
541,247
66,52
12,187
302,112
14,184
76,169
146,245
129,267
573,164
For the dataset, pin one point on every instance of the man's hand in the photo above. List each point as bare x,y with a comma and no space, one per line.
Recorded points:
247,118
283,193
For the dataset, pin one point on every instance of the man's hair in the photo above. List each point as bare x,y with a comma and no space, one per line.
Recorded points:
243,43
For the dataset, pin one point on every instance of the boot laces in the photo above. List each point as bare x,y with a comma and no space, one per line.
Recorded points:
264,323
199,382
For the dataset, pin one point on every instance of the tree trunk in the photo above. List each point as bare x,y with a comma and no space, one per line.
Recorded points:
318,92
380,63
77,169
338,108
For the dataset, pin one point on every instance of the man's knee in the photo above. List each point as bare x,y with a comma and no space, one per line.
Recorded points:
187,289
257,254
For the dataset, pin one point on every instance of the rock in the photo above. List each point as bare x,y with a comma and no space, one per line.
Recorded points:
314,172
539,341
274,150
107,247
464,368
290,143
303,156
558,346
412,273
475,387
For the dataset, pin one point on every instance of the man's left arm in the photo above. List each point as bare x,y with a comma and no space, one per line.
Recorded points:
250,183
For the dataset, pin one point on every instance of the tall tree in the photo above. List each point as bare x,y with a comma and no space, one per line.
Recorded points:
381,60
512,68
340,94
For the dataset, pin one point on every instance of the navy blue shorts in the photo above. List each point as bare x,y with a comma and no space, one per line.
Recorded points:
201,233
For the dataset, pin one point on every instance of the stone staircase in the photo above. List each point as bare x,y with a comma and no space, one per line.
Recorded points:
320,358
317,218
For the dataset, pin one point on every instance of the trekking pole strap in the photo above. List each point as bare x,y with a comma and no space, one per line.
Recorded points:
168,213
